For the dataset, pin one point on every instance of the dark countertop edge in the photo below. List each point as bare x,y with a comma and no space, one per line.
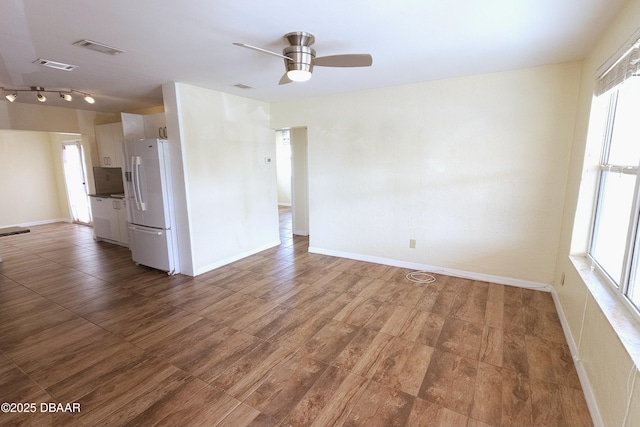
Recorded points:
108,196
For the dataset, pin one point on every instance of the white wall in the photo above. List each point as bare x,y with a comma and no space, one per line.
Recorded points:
472,168
230,191
607,338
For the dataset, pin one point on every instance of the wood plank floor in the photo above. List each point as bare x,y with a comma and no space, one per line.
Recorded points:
284,337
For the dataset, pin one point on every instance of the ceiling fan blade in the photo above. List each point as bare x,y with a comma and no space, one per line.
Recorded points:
349,60
285,79
259,49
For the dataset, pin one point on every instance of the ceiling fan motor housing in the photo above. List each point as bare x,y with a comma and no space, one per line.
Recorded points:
302,58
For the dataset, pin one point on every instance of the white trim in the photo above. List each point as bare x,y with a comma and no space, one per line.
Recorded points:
235,257
592,403
42,222
433,269
287,205
615,57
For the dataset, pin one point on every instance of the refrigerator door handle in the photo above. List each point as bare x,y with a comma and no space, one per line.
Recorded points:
133,181
142,230
137,192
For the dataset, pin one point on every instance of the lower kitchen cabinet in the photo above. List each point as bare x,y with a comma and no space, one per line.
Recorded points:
110,220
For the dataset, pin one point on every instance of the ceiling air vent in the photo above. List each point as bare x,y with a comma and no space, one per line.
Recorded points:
98,47
54,64
243,86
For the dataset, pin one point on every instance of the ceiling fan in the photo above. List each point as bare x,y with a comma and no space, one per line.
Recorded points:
300,58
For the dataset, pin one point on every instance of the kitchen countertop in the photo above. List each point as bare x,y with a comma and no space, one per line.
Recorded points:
112,196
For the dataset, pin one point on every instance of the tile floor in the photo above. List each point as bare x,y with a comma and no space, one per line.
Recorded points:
283,337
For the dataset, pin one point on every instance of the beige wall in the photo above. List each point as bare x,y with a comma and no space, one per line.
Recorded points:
230,193
474,169
591,310
24,128
44,118
30,179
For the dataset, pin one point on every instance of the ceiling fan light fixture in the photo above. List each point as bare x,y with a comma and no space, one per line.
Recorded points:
299,57
300,62
299,75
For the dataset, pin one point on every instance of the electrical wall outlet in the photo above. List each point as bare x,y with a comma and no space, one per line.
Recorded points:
412,243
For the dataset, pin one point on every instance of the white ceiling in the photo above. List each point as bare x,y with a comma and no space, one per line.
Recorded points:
190,41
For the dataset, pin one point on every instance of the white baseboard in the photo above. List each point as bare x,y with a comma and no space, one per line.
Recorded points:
434,269
34,223
235,257
575,354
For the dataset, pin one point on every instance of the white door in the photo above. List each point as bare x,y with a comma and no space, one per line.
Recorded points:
76,182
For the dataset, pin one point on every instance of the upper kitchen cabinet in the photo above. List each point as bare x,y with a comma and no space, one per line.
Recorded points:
110,138
155,126
148,126
132,126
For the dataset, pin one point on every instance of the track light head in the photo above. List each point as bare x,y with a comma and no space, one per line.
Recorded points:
66,94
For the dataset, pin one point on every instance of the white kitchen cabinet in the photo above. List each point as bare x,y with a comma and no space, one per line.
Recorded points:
148,126
102,218
119,205
155,126
110,220
109,138
132,126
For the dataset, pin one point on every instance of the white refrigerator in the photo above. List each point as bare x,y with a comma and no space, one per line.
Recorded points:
150,209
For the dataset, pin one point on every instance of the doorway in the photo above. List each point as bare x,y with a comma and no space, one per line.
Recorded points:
283,182
75,179
292,175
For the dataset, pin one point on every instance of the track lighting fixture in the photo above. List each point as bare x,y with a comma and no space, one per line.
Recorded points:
65,94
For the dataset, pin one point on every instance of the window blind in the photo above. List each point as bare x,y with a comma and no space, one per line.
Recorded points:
627,66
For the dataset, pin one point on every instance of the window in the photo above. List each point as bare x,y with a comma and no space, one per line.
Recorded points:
615,238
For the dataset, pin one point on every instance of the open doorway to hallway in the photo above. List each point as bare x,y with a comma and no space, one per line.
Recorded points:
292,175
283,174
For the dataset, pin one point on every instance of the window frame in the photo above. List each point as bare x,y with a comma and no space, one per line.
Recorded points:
631,259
